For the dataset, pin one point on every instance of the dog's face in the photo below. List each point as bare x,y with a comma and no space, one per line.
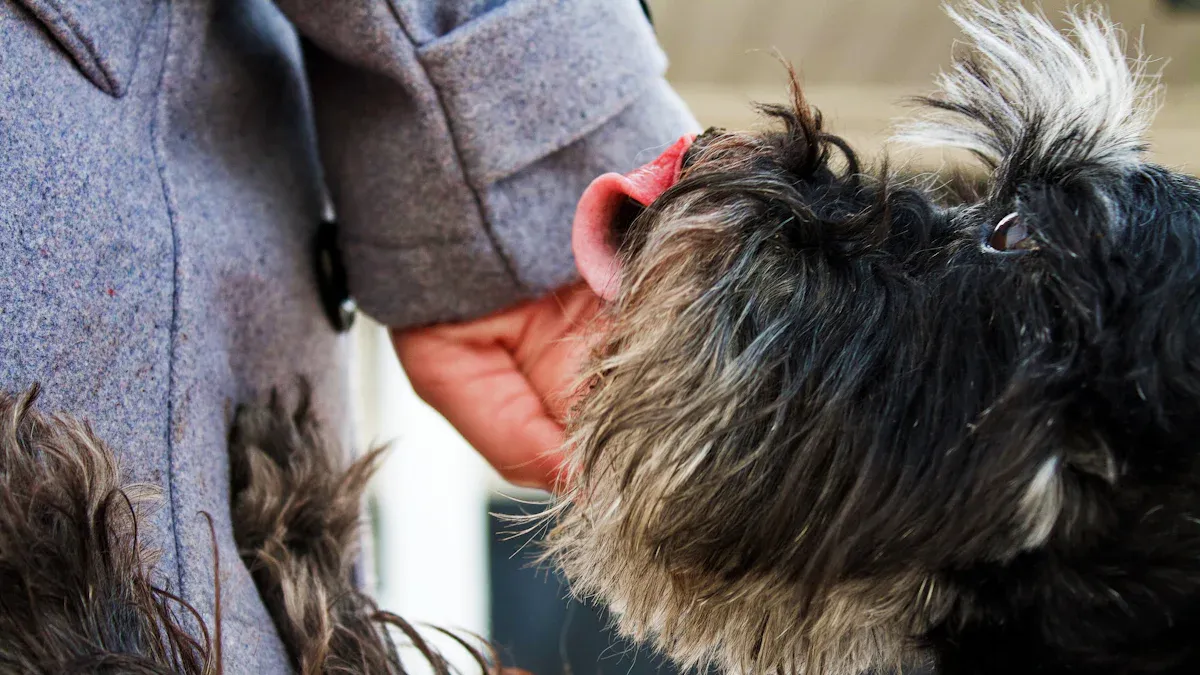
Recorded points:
839,418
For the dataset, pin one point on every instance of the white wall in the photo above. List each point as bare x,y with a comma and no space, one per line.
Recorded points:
429,503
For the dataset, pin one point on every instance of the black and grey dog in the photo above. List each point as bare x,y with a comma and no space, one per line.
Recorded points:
844,420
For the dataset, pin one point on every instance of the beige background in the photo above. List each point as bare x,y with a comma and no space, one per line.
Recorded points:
859,59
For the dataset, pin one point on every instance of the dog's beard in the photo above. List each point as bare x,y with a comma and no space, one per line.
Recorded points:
823,396
681,517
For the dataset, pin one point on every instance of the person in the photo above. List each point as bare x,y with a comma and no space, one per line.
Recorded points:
166,174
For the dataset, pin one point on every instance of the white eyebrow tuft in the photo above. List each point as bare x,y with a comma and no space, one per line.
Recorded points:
1067,97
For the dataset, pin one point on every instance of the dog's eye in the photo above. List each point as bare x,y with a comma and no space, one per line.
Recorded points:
1011,234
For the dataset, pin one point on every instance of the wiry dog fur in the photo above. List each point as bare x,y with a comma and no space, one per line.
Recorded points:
78,592
843,422
296,521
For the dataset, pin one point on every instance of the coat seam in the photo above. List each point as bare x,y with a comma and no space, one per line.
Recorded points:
476,196
157,130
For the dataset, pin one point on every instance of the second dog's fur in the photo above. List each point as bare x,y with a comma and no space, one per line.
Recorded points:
78,587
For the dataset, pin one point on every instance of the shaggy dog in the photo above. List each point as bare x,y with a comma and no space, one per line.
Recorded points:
843,420
78,590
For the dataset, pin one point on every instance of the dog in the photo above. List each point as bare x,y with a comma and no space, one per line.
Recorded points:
841,420
847,420
78,588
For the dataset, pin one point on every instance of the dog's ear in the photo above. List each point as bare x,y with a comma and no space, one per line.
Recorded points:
593,238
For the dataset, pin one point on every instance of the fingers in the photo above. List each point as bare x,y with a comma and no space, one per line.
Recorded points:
479,389
555,345
507,381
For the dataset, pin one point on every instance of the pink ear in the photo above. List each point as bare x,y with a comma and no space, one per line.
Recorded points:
591,238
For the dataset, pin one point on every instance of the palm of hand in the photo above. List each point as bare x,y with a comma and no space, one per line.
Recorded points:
505,381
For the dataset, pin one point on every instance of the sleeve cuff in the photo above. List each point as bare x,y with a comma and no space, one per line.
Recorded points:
538,97
533,76
526,251
407,287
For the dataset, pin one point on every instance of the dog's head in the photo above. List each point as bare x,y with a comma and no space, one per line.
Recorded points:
840,416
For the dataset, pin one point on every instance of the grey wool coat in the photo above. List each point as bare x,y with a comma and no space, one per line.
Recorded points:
161,180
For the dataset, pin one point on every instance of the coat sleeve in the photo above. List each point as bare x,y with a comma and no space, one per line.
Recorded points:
457,136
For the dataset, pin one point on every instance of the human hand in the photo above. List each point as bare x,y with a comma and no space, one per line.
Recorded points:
505,381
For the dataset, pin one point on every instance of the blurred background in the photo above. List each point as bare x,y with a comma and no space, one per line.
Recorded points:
439,557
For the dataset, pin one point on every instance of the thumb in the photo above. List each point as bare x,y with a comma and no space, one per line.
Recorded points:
479,389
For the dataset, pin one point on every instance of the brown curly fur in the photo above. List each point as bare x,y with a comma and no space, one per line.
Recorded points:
78,592
296,524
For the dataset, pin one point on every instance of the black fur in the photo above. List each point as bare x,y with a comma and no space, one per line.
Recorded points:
904,386
926,379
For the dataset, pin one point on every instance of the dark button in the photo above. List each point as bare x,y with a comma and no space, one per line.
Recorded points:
339,307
